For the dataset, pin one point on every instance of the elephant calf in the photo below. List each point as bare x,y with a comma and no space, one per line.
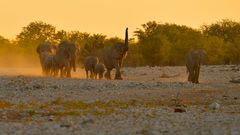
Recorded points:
99,70
50,64
89,65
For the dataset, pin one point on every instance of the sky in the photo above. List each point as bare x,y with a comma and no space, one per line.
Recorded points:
110,17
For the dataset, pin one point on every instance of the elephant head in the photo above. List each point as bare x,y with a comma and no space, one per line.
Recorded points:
46,47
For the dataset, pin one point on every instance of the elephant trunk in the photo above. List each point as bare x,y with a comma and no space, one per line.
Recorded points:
126,38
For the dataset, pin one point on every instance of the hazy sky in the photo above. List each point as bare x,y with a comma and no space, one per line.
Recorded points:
110,17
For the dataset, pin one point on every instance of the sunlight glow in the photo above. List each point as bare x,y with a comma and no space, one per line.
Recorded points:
111,17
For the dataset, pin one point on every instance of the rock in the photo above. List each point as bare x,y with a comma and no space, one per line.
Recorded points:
37,86
179,110
65,125
214,106
84,122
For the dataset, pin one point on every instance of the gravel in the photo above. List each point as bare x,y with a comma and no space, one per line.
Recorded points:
149,101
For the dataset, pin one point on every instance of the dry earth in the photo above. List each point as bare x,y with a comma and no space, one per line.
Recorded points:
149,101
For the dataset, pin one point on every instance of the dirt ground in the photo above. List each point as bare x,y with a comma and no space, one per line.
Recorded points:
149,101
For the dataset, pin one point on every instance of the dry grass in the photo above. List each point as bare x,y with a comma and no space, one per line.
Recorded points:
5,104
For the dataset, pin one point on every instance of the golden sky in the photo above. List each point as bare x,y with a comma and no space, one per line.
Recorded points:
110,17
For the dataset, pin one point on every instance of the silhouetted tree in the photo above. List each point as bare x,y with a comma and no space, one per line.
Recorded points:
35,33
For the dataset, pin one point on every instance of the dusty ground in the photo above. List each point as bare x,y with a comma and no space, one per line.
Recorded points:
148,101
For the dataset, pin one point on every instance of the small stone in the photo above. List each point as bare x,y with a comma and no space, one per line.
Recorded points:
37,86
84,122
214,106
179,110
65,125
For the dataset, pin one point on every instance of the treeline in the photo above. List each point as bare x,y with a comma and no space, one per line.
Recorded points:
155,43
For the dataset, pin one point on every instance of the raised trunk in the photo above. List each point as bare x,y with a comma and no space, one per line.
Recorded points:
126,38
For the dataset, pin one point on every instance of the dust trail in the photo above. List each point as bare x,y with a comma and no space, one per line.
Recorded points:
18,62
11,71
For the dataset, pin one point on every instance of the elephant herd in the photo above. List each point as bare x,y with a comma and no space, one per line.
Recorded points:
55,59
63,58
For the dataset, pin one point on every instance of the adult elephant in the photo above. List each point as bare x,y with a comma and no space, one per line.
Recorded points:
43,50
66,55
194,58
113,57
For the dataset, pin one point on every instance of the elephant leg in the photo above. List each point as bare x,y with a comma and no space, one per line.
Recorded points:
95,76
44,71
197,74
189,77
55,72
91,74
190,73
87,74
47,71
100,75
68,71
61,72
194,76
118,73
108,74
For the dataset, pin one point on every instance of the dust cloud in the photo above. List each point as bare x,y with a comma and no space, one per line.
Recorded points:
16,63
19,64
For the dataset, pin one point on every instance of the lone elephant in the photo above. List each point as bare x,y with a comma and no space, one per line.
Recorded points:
194,59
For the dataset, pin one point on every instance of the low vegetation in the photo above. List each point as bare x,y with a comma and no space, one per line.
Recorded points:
155,43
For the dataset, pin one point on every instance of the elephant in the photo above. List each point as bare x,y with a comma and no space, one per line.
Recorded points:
194,59
99,70
49,64
113,57
66,55
52,66
89,65
44,49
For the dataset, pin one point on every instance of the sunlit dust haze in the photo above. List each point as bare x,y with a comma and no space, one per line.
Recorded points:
110,17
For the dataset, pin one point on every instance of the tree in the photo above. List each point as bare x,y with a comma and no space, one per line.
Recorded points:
225,29
166,44
35,33
229,31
